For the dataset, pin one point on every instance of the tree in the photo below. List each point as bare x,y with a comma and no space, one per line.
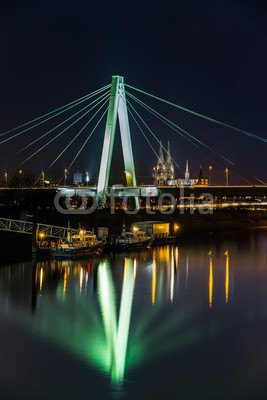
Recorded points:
23,179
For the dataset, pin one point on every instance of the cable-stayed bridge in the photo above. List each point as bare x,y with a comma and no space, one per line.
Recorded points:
116,101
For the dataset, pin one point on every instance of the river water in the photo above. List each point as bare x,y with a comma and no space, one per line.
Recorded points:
172,322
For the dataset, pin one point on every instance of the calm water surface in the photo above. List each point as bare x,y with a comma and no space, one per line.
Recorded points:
186,322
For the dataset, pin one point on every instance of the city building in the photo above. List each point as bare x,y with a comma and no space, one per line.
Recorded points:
201,181
186,181
81,177
78,178
163,172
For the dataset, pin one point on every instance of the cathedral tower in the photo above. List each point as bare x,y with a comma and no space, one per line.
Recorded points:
163,172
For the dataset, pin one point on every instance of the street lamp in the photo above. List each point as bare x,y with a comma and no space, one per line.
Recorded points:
6,179
42,180
87,178
210,171
42,235
176,229
65,176
19,179
227,176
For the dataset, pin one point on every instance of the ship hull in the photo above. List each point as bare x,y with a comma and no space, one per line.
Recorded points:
75,252
120,245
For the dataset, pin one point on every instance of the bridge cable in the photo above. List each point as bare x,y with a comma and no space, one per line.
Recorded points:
39,123
155,137
82,147
173,126
202,116
76,136
142,131
154,151
160,117
54,128
215,158
59,134
103,96
71,104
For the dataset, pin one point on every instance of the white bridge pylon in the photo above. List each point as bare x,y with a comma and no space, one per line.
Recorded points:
117,108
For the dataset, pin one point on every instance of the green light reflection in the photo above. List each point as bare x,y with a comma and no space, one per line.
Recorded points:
96,325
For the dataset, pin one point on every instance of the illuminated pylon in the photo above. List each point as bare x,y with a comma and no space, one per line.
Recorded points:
117,107
117,334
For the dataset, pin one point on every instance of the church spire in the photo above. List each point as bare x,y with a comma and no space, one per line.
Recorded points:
187,174
161,157
200,176
164,170
168,158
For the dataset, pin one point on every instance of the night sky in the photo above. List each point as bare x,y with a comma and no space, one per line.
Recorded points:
209,56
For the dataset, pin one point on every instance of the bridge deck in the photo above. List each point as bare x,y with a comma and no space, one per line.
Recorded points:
141,191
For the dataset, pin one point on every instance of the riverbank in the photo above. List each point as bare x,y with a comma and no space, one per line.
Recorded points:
220,220
192,227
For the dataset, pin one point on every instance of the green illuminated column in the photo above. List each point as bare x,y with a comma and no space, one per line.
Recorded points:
116,335
124,318
126,137
117,107
108,138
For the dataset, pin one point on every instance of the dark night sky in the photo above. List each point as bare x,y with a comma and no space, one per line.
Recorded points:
210,56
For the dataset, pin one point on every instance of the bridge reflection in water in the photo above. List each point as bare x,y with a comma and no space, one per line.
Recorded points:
86,307
120,315
108,339
116,332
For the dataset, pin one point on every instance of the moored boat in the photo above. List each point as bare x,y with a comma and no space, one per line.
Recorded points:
83,244
128,241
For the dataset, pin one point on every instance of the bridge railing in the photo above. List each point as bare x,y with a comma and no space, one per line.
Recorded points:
19,226
56,232
14,225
